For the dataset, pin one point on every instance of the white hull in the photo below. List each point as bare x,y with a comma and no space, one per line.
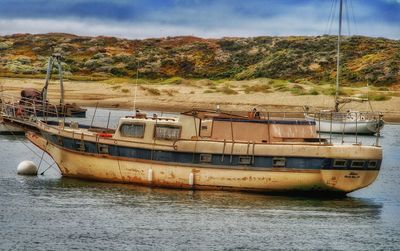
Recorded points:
348,127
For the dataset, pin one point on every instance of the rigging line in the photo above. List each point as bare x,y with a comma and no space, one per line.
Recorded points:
329,23
353,17
21,141
333,16
42,173
326,31
346,11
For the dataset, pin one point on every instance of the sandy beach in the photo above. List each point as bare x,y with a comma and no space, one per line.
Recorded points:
179,98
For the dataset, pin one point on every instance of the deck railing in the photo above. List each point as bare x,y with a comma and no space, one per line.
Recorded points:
30,110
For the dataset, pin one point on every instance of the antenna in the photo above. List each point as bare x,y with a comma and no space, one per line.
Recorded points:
136,84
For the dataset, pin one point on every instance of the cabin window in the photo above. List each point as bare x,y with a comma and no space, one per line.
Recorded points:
204,127
340,163
205,158
357,163
103,149
132,130
244,160
372,164
278,162
168,132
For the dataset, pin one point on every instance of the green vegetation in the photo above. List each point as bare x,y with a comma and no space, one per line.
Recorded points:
376,96
314,91
297,90
184,60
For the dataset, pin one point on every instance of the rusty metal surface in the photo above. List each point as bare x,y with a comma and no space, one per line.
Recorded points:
86,166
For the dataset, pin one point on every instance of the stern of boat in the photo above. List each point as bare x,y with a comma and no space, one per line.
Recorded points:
353,177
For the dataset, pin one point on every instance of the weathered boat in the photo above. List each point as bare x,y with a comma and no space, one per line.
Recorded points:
206,150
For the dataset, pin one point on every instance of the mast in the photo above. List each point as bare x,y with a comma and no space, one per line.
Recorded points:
60,75
338,58
48,76
54,58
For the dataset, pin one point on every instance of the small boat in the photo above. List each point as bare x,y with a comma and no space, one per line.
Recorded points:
351,122
211,150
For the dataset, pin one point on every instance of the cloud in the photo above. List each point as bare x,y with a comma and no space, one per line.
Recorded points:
205,18
279,26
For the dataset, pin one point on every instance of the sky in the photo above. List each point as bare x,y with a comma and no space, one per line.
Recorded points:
137,19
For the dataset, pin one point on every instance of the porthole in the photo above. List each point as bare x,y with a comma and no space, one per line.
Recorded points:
372,164
278,162
103,149
340,163
357,163
244,160
205,158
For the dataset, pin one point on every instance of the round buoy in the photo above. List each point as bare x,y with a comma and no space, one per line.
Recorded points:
27,167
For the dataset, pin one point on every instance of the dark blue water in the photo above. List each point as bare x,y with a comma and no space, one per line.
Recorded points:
54,213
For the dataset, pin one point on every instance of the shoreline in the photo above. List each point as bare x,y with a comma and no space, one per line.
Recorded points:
179,98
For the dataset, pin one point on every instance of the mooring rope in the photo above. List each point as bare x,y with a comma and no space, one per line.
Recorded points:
30,149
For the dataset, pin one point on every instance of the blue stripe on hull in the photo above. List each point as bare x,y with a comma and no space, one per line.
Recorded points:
194,158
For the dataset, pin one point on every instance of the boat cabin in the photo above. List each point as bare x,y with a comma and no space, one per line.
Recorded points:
214,126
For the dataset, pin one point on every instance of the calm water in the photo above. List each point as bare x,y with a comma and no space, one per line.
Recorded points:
53,213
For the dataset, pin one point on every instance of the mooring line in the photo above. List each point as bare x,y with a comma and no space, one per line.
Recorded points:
23,143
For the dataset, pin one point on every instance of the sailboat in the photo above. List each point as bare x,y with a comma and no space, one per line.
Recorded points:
351,122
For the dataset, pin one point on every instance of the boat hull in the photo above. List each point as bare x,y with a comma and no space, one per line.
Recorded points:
349,127
103,167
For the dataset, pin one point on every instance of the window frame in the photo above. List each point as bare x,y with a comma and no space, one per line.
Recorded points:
275,159
167,125
247,158
374,166
359,161
205,158
336,165
103,149
133,124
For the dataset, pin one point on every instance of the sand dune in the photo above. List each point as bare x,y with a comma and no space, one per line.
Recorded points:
185,97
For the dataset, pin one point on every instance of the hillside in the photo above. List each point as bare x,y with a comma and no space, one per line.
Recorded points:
297,59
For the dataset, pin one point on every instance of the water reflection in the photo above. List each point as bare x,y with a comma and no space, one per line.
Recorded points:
60,190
